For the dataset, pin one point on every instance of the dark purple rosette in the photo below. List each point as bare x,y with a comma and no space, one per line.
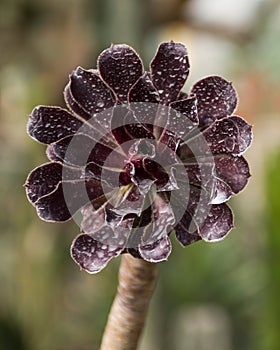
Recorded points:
139,158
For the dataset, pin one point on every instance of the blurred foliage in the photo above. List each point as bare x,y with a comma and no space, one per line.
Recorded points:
223,296
271,339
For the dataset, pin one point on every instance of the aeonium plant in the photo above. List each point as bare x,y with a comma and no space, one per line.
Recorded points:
140,160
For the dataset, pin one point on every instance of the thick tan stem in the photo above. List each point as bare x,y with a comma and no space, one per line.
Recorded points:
128,312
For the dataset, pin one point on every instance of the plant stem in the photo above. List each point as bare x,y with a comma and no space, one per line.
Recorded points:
128,313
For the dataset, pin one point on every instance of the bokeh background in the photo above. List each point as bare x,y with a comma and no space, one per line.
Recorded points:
222,296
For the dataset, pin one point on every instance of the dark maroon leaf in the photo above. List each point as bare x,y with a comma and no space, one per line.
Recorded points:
156,251
182,230
216,99
120,117
132,130
146,114
93,170
221,192
199,204
89,92
93,219
67,199
232,170
139,131
170,141
92,255
144,91
72,150
155,118
162,219
199,173
183,117
155,172
204,175
81,150
110,176
125,127
92,252
53,207
100,153
92,187
170,69
229,135
222,176
213,227
116,231
191,203
163,127
217,224
50,124
51,154
166,151
73,105
120,67
45,178
209,221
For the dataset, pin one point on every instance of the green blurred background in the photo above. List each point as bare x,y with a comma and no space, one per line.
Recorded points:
224,296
